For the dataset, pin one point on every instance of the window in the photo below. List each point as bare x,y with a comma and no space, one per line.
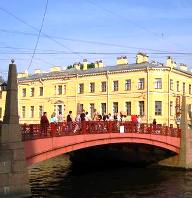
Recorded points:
23,111
183,87
40,111
128,85
171,108
81,107
0,112
141,83
171,84
32,111
190,110
158,83
0,94
141,108
92,107
103,108
59,90
103,86
41,91
32,92
190,89
115,85
24,92
128,108
64,89
58,108
55,90
177,85
81,88
115,107
92,87
158,107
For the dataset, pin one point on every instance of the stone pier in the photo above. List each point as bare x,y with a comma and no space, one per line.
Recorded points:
184,158
13,170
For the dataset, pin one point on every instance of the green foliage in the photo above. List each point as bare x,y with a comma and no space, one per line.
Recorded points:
70,66
90,65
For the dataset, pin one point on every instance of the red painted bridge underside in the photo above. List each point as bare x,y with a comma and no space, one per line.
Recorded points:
38,150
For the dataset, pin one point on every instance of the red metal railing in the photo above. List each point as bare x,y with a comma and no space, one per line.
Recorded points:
37,131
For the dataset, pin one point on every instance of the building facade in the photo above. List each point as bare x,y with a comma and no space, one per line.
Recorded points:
151,90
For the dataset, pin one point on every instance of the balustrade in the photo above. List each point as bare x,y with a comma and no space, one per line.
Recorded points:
37,131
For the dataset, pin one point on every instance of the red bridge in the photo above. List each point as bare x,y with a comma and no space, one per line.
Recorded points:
44,142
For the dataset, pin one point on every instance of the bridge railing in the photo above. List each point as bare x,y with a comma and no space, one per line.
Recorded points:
37,131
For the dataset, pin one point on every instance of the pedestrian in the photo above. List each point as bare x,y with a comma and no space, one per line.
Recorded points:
87,118
53,118
154,122
78,123
110,118
53,124
95,115
60,117
105,117
82,115
69,121
139,121
44,123
115,116
60,122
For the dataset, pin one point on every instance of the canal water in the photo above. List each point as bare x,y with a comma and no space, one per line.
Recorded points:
58,177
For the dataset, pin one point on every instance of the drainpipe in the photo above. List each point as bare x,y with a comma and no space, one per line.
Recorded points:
169,97
107,74
147,95
76,90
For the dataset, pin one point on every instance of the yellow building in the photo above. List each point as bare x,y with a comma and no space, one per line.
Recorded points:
151,90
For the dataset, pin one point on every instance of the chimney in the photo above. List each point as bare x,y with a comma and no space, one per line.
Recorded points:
85,63
38,71
100,63
122,60
183,67
141,58
96,64
55,69
170,62
24,74
77,66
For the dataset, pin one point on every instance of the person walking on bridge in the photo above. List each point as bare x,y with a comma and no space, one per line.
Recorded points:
44,123
69,121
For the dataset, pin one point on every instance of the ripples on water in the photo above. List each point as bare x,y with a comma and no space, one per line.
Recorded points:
58,178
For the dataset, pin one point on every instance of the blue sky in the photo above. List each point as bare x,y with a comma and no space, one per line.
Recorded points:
101,26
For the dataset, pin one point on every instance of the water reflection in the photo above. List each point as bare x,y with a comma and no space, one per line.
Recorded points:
59,178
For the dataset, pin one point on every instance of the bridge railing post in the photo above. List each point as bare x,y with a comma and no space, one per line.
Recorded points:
53,129
110,125
83,127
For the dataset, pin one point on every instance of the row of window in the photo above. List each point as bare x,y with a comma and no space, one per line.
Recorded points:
128,105
115,86
61,89
141,110
32,92
32,111
178,86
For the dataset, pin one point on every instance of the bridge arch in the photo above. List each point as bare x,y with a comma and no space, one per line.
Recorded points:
42,149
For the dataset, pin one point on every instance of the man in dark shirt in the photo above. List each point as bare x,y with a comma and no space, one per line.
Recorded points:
69,122
82,116
44,122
